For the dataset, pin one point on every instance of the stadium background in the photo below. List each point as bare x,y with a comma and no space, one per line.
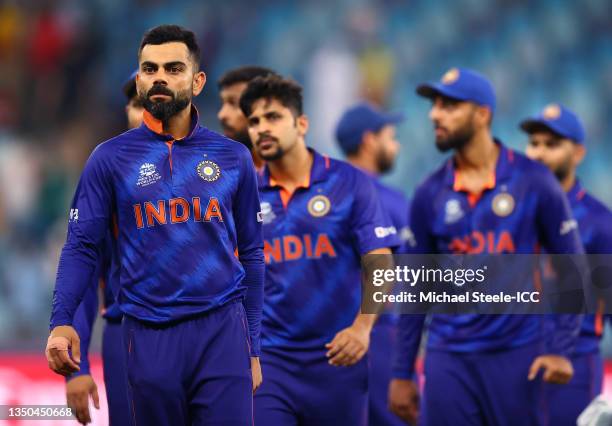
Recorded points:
62,64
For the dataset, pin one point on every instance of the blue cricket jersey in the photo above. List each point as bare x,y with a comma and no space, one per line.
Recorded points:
397,207
183,208
522,208
313,242
595,227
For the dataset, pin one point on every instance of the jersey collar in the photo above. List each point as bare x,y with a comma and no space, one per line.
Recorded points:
503,169
155,127
318,171
577,192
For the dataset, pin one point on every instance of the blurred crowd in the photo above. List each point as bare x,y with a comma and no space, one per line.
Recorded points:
62,65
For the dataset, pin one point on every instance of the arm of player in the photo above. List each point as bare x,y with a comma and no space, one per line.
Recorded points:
559,235
350,344
89,220
80,385
250,248
371,232
403,389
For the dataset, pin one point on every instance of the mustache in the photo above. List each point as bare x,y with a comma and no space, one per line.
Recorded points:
160,90
267,137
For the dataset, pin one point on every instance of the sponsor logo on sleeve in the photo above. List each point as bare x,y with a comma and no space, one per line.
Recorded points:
568,226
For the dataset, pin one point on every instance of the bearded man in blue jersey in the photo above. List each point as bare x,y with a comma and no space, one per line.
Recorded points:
316,228
190,249
557,138
486,198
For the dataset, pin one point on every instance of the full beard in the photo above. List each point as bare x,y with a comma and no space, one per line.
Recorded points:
163,111
456,140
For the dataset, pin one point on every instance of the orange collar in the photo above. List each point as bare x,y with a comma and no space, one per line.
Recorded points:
458,185
157,126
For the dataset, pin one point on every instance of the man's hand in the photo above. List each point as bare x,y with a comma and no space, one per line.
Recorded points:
60,340
256,372
404,400
557,369
349,345
78,390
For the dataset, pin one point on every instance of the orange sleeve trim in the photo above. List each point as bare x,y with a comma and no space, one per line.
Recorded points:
326,158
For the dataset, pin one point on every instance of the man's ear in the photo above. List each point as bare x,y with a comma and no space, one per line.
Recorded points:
368,141
302,124
199,80
484,116
579,153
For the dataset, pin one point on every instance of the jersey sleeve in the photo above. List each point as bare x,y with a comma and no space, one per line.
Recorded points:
88,223
83,323
559,235
558,230
371,227
249,233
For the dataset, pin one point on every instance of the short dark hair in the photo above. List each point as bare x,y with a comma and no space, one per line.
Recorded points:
168,33
243,75
286,91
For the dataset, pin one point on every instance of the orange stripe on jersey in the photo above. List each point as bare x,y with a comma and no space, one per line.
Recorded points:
116,225
599,325
326,158
169,144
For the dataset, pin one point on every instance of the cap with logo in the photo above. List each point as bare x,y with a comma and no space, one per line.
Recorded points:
461,84
359,119
559,120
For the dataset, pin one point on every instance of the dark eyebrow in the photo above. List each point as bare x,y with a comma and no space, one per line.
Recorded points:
148,64
174,64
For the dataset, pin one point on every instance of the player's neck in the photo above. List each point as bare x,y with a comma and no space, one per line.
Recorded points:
178,126
257,161
367,164
569,181
479,155
293,168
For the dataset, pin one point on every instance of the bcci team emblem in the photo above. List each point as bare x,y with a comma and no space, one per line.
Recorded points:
450,76
319,206
503,204
551,112
208,170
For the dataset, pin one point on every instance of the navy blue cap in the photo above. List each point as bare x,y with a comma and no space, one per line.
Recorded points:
129,87
559,120
462,84
359,119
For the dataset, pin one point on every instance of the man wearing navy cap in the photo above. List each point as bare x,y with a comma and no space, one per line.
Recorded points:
81,385
367,138
556,138
486,198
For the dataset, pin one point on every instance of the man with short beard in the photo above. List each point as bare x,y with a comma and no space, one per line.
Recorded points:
185,201
316,228
233,122
366,135
482,369
556,139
